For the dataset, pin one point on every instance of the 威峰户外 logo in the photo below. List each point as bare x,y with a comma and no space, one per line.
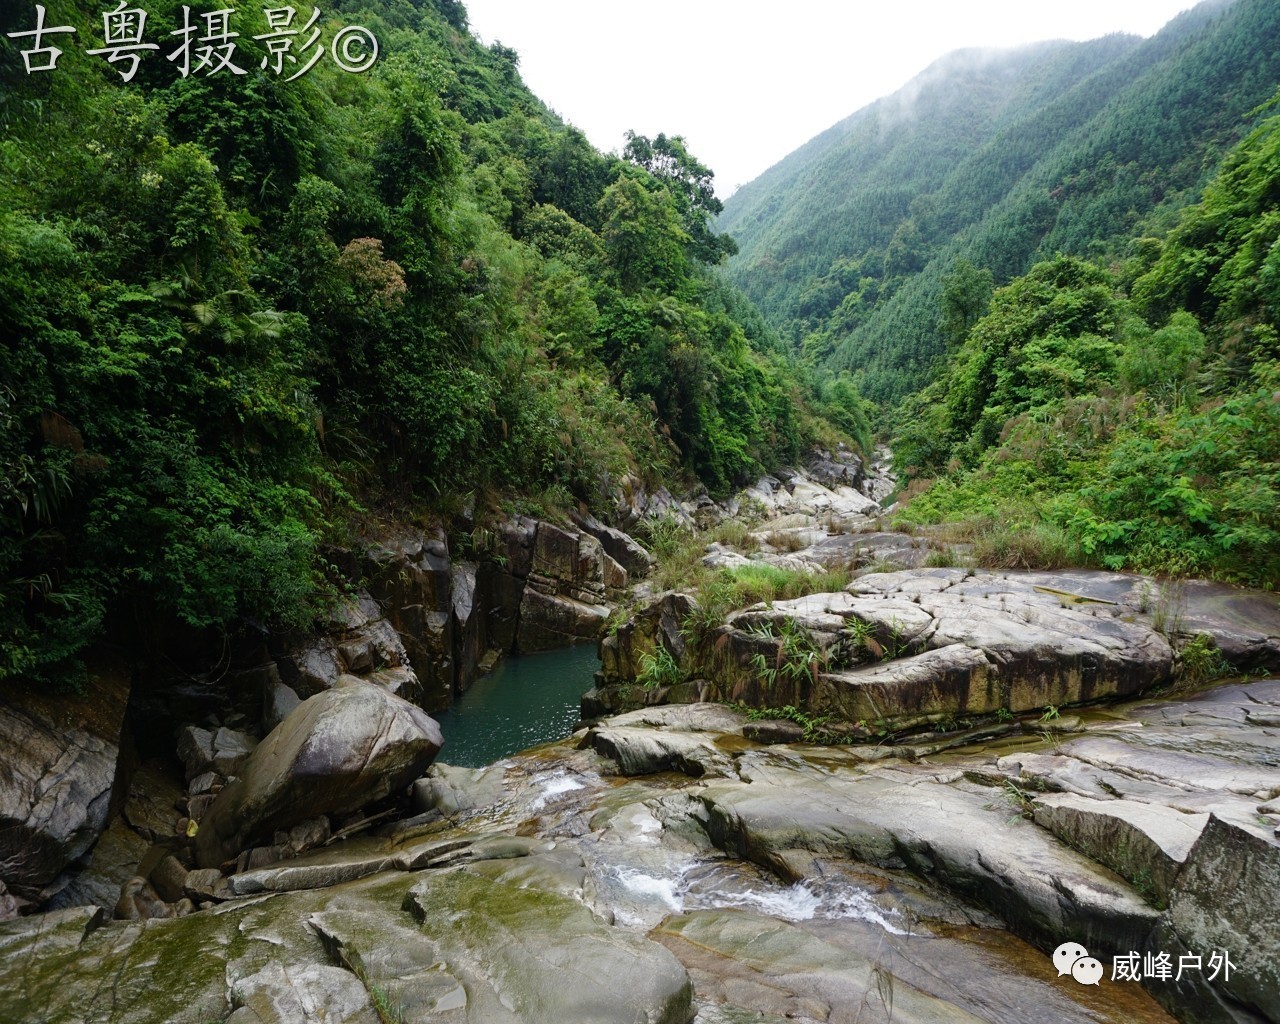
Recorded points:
1073,959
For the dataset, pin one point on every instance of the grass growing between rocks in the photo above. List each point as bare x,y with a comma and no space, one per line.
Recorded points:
680,551
1003,543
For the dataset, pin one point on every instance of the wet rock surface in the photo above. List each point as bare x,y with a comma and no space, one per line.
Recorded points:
792,883
797,883
682,862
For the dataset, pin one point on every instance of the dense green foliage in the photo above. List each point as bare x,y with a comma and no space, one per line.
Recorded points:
1134,411
236,310
998,160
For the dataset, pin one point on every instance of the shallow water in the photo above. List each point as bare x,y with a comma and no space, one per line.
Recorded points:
525,701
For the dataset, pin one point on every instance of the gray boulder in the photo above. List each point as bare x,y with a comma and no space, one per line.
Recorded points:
1225,901
550,621
57,777
621,547
338,751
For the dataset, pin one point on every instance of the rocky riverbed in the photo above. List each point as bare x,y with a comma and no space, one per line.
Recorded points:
1024,760
661,866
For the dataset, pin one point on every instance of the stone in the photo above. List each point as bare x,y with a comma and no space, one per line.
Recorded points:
306,836
169,879
774,967
658,622
1040,887
621,547
357,655
469,621
774,730
205,783
195,749
111,862
306,994
841,468
139,901
452,790
537,939
1224,900
278,702
1145,843
903,650
206,884
411,577
338,751
548,622
514,544
573,565
9,906
198,806
311,667
688,718
58,775
401,680
639,751
230,749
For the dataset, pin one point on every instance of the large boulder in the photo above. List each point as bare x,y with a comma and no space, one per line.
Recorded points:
58,774
1224,903
621,547
550,621
658,624
342,749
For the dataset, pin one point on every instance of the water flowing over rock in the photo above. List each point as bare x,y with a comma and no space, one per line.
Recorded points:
342,749
889,883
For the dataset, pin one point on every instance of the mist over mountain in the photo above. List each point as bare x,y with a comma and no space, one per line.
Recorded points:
998,157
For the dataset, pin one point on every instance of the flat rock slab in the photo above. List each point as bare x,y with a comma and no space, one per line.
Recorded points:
1145,843
773,967
974,843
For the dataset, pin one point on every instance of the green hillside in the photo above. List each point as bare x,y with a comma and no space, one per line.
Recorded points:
240,314
997,160
1125,416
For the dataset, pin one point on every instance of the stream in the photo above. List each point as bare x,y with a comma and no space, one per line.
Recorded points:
525,701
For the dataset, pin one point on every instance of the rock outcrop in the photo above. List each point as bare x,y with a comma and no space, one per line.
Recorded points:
908,650
338,751
59,773
538,587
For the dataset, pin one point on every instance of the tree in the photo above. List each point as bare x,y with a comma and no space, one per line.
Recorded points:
690,184
966,296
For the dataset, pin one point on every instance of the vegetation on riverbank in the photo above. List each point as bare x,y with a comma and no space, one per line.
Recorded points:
1129,412
237,313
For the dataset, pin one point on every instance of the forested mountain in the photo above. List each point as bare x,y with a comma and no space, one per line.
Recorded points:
1126,415
239,313
988,162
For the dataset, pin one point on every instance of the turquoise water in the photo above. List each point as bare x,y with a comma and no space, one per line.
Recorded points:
525,701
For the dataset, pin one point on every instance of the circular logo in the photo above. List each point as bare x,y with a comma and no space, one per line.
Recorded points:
355,49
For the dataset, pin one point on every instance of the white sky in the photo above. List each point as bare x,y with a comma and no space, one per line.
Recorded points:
746,82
